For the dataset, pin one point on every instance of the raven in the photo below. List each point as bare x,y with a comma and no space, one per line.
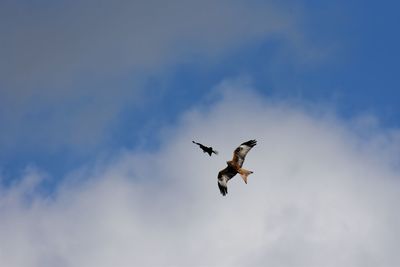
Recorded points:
206,149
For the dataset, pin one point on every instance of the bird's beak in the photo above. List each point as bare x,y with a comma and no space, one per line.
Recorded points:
244,179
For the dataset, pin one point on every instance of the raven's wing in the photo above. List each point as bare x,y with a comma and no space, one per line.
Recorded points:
203,147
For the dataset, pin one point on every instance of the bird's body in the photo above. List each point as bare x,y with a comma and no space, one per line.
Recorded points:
206,149
235,166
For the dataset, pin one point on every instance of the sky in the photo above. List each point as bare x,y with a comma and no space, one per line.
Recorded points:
100,100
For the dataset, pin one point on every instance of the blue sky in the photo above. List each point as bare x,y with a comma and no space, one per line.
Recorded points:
97,91
342,54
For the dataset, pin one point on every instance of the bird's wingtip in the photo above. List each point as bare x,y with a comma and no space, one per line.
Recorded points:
250,143
222,189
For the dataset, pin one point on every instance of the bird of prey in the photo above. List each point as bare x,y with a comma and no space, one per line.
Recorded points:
206,149
235,166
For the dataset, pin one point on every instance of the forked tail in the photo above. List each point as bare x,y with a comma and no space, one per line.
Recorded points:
244,173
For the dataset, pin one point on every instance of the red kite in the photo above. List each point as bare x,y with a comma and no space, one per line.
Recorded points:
235,166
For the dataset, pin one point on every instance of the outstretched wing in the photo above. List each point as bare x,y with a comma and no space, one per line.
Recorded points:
223,177
203,147
241,151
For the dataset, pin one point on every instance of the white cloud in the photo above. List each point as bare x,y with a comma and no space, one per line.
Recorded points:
64,55
320,195
106,36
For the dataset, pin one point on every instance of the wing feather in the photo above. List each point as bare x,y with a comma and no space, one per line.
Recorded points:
223,177
241,151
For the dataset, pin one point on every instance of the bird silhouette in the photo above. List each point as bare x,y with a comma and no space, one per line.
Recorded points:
206,149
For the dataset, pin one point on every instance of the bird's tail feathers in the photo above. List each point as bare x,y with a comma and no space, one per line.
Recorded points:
244,173
215,152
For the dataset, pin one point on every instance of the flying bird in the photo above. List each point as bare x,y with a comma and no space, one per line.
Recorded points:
235,166
206,149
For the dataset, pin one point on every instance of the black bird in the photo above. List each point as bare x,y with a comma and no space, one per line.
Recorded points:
206,149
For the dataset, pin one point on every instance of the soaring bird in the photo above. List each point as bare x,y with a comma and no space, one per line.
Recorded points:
206,149
235,166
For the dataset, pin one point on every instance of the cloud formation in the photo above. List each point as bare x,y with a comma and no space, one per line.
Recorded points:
321,194
92,56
